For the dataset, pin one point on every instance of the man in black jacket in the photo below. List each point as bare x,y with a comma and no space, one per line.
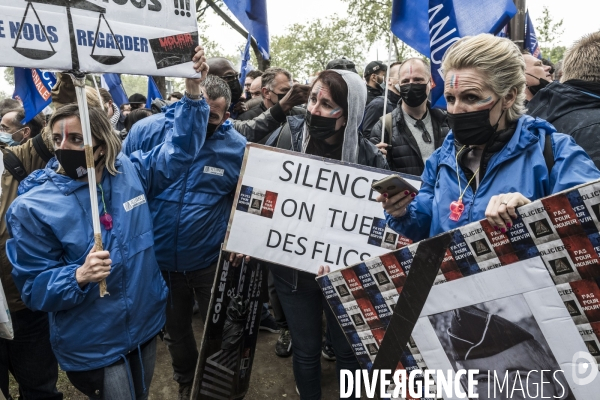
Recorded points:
374,110
573,106
417,129
374,76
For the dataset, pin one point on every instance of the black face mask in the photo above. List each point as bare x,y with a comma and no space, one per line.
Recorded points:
321,128
280,95
211,128
236,90
74,163
536,88
473,128
413,94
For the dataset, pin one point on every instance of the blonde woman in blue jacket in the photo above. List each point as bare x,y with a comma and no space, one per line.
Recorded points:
107,344
492,160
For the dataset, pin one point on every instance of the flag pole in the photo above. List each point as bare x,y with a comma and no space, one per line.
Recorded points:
385,96
98,92
84,117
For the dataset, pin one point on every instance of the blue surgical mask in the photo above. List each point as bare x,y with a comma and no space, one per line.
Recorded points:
8,139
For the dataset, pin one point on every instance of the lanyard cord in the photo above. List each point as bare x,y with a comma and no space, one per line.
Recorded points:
103,203
460,191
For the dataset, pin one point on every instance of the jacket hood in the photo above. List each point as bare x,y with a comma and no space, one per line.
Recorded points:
558,99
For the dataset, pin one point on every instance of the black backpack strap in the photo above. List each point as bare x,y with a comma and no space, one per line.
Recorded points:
14,165
41,148
548,153
285,138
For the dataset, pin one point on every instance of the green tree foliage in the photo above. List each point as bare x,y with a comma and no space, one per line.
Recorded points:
548,34
135,84
9,75
307,48
370,18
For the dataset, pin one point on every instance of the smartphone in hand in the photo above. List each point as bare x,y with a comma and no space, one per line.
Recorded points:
393,184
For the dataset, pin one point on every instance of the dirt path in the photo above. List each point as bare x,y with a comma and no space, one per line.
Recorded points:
272,376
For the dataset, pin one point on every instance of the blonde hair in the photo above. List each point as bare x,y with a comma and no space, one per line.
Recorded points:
500,61
582,61
101,130
91,96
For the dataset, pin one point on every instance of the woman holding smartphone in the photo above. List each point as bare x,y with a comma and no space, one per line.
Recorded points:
495,158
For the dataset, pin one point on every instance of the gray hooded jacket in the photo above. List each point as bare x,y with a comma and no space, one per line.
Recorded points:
355,149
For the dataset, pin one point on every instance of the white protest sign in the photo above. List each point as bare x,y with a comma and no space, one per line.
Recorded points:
144,37
303,211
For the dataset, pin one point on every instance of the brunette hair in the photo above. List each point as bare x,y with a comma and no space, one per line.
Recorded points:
337,87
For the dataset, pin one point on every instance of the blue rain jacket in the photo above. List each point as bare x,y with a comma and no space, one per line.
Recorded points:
190,217
51,229
518,167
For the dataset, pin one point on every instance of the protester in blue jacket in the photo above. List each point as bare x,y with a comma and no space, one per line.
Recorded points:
492,161
107,344
190,220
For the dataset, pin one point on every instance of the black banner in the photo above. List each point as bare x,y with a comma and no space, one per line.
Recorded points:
230,332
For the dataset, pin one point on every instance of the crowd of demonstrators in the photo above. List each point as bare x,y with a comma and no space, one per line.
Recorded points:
274,82
573,104
472,176
413,130
183,157
252,84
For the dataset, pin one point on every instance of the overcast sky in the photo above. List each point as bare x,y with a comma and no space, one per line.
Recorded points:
579,16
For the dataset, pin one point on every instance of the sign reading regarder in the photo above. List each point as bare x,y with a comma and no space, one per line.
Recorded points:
149,37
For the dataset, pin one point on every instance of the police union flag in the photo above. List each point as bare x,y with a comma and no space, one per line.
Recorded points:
32,87
430,27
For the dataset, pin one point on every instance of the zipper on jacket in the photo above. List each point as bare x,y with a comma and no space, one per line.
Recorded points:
179,216
123,280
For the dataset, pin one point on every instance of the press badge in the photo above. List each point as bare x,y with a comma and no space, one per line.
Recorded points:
213,170
135,202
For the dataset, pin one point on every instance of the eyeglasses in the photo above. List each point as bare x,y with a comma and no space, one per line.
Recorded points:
425,135
230,78
7,130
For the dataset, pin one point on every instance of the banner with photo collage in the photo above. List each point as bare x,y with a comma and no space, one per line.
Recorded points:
560,231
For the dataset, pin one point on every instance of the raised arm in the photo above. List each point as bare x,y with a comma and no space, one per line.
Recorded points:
165,163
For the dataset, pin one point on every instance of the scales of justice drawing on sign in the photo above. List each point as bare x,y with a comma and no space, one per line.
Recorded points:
38,54
149,37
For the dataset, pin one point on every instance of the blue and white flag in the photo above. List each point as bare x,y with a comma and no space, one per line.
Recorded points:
505,33
153,92
430,27
245,66
531,43
112,83
253,16
33,87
